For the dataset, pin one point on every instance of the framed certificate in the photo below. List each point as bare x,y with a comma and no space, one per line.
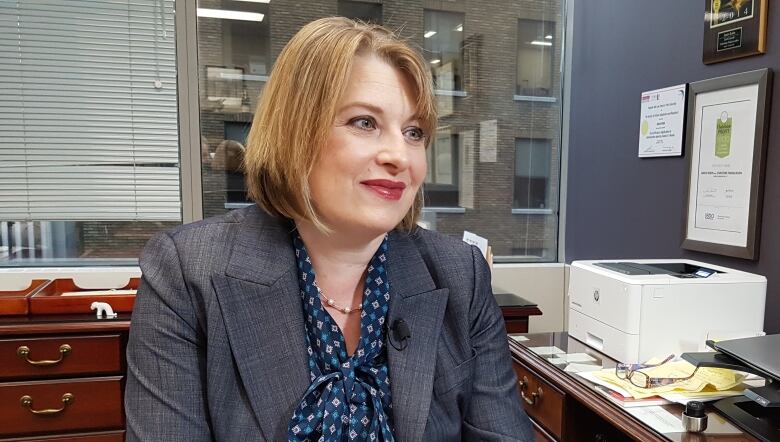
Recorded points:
661,122
733,29
726,140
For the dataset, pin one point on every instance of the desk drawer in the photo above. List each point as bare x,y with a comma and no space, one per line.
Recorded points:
96,403
542,401
29,358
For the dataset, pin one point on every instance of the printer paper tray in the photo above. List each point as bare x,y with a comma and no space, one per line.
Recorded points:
613,342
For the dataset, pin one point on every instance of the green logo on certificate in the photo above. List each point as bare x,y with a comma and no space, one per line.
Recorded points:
723,138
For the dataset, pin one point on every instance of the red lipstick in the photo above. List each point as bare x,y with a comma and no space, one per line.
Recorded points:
387,189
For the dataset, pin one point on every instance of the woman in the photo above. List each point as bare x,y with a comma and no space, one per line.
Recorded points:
396,336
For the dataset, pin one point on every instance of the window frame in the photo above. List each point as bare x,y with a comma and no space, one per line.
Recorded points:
540,98
189,112
533,142
189,124
443,188
458,90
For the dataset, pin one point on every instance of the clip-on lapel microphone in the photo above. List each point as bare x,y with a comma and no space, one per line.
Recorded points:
399,334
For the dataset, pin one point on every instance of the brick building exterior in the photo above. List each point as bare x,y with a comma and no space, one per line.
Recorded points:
489,70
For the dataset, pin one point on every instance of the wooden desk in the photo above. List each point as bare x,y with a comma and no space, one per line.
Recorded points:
565,407
516,311
47,357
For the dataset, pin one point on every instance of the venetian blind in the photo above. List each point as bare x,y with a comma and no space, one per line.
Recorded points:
88,111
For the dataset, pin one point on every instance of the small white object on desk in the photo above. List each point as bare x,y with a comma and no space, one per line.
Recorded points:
657,418
482,245
103,308
572,357
476,240
544,351
574,367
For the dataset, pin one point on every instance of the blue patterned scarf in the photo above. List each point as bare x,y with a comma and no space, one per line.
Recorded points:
349,396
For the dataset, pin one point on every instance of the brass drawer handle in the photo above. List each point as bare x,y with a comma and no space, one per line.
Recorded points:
24,353
536,396
67,399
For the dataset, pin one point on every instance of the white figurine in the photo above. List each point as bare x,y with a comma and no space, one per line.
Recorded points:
103,308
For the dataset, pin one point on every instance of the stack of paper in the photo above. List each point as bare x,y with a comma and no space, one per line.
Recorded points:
627,401
707,384
706,379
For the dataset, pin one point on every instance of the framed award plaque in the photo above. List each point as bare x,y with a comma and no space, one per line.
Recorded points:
733,29
726,143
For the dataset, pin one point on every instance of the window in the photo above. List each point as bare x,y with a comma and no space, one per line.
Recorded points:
532,174
442,181
443,48
494,162
89,148
367,12
234,57
536,44
473,182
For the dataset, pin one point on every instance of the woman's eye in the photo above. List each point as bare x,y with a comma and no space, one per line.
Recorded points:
415,134
364,123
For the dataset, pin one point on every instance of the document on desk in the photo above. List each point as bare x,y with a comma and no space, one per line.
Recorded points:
658,419
546,351
581,368
572,357
591,376
705,379
701,396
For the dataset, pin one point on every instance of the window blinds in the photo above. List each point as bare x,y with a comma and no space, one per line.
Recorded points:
88,110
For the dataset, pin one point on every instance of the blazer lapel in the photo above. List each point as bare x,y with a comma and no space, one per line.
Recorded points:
415,299
259,297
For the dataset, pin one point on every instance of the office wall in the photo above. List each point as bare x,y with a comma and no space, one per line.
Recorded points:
543,284
618,205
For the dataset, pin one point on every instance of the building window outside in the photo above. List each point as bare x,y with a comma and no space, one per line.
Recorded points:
443,48
532,174
536,43
234,57
472,182
441,182
363,11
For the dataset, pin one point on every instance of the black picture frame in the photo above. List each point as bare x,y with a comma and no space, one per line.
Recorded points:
729,87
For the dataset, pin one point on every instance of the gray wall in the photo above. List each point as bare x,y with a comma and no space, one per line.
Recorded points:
618,205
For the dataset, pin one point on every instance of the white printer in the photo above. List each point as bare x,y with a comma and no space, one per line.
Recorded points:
633,310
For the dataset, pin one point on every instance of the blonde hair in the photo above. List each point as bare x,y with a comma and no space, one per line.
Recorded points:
298,106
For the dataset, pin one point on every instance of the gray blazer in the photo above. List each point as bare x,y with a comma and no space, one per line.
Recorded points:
217,349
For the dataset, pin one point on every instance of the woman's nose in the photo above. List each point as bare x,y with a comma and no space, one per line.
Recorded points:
394,153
